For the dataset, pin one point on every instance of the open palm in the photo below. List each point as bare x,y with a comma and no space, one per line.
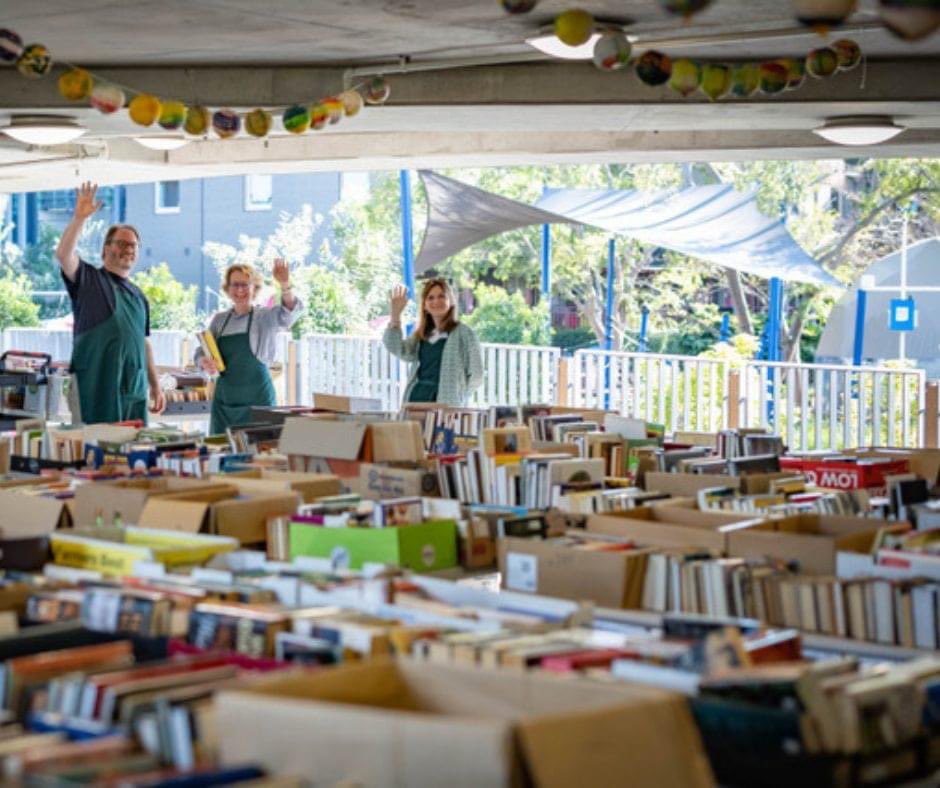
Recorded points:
85,203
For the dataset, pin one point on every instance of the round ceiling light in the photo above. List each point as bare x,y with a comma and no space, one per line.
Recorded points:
859,130
43,129
162,141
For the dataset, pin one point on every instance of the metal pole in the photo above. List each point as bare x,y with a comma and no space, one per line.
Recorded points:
775,308
609,318
609,314
902,335
860,304
644,328
408,259
547,262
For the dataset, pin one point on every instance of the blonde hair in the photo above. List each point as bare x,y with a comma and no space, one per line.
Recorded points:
425,321
256,279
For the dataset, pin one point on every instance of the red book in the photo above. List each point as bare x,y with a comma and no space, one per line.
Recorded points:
582,660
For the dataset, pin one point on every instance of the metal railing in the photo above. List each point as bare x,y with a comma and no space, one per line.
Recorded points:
821,406
681,392
812,406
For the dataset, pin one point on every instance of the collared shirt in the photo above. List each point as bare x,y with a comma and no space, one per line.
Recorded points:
265,326
93,300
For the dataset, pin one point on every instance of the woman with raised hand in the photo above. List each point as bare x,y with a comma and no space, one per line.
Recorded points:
449,365
246,337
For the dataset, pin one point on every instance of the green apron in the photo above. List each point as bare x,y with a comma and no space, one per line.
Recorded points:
429,371
110,363
245,382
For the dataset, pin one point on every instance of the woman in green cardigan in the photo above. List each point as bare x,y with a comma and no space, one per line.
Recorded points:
449,365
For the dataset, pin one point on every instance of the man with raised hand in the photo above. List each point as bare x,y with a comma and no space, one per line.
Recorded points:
111,356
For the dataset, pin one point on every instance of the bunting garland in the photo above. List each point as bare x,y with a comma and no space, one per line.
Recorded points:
79,84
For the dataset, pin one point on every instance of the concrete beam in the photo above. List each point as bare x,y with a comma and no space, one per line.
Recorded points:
916,80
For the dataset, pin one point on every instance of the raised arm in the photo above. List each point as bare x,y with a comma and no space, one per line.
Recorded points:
392,338
282,277
85,206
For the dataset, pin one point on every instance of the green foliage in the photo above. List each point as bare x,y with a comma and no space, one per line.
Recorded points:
571,339
172,305
328,306
17,309
506,318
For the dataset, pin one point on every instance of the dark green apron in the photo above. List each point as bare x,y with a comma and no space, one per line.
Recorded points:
245,382
110,363
429,371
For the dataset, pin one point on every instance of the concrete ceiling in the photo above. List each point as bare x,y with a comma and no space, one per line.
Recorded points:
466,89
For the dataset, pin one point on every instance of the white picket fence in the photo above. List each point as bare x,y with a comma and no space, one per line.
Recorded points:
361,367
682,392
812,406
820,406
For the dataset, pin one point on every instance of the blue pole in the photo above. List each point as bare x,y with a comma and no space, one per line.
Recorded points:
860,304
32,218
407,244
609,318
774,319
644,327
725,328
547,262
775,312
609,314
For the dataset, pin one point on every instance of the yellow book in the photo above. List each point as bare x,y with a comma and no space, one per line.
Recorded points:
211,349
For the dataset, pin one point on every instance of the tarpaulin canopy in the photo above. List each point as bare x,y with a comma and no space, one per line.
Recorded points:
714,223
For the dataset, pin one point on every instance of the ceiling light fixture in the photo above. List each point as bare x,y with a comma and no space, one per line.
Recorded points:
43,129
546,41
859,129
162,142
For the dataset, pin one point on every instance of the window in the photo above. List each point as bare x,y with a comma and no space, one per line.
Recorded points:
259,191
167,197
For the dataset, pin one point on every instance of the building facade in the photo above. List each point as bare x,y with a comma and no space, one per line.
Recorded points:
176,218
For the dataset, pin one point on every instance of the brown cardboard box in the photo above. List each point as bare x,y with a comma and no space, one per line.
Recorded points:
326,446
384,723
924,462
609,579
812,540
381,481
688,484
341,404
29,516
260,480
671,526
125,498
222,512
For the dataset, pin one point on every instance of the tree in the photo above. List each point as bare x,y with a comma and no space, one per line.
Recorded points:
328,305
503,317
172,304
17,309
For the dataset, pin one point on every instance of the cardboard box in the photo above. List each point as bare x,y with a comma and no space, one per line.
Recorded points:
536,566
123,500
383,481
422,547
30,516
384,724
687,485
671,526
341,404
116,551
328,446
310,486
813,541
221,511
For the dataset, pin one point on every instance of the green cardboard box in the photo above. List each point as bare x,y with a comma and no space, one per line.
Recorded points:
423,547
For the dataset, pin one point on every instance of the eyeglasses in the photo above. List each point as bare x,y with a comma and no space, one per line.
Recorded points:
120,244
239,285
